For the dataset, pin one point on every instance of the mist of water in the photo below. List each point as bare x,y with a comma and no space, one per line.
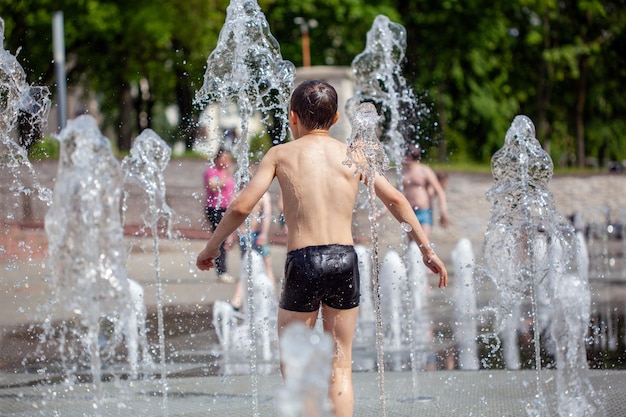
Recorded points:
368,157
23,114
86,247
531,254
246,68
145,167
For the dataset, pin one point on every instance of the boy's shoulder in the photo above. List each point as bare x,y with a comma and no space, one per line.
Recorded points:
286,148
293,147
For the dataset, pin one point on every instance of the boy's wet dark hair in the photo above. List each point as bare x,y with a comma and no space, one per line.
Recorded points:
315,103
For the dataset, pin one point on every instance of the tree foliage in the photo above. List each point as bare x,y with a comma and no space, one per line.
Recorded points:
477,63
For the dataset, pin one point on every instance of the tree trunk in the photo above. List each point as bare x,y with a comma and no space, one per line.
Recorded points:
544,91
125,120
443,123
581,94
187,124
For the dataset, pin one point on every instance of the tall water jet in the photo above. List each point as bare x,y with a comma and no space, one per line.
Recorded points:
393,276
144,168
530,254
420,327
378,79
265,305
365,331
367,155
246,68
86,249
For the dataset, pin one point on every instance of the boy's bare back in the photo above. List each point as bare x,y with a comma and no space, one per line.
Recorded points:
319,191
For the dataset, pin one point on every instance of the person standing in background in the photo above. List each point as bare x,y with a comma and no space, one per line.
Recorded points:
220,191
260,222
417,180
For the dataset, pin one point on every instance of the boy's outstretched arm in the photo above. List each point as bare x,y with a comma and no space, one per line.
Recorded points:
399,207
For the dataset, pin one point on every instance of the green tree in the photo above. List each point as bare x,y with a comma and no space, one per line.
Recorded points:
569,41
460,53
341,30
479,62
133,57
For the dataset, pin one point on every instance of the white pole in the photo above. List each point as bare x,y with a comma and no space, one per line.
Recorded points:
59,65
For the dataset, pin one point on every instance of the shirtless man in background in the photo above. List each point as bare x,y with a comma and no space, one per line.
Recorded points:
319,193
417,179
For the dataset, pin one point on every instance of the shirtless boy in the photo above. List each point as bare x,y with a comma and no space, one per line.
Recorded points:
319,193
417,180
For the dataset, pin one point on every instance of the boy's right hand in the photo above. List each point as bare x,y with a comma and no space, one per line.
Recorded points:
206,259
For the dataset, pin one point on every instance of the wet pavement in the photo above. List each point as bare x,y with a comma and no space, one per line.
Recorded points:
444,393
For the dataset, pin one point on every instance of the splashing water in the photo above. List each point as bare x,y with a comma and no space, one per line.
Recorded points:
307,356
246,68
529,249
378,79
86,249
145,167
367,155
24,106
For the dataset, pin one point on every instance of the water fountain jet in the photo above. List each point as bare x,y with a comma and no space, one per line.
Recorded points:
246,68
368,157
86,250
530,251
25,107
379,81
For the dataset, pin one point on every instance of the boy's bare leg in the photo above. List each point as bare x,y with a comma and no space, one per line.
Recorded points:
341,324
268,269
286,317
236,300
